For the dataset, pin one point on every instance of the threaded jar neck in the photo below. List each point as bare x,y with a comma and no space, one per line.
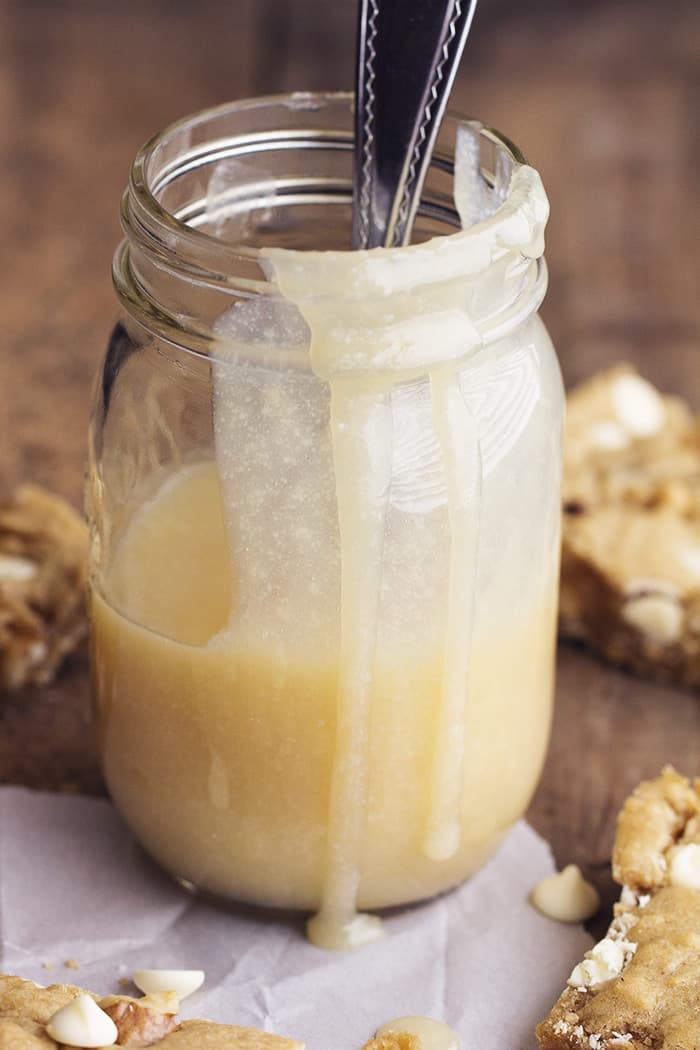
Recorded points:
219,204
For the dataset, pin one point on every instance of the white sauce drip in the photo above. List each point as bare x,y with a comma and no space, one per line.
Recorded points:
361,428
459,444
369,330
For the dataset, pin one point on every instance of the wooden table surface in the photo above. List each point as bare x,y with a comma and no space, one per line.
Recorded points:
603,99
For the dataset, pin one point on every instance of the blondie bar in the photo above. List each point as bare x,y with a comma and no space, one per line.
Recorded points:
26,1011
639,987
630,583
43,574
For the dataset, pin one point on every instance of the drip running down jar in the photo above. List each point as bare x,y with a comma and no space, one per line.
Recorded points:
324,497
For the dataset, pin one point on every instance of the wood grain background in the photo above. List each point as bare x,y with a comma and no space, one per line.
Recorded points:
602,97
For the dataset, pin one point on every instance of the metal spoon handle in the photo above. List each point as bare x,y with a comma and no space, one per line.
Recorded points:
407,58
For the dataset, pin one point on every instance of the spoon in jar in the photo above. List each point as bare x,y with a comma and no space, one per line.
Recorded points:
407,57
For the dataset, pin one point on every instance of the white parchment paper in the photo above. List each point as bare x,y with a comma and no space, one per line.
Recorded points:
75,885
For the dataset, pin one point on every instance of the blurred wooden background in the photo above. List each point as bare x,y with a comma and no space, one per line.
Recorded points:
603,98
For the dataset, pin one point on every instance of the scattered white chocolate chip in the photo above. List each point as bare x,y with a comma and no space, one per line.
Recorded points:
605,960
638,406
15,569
82,1023
607,435
566,896
685,866
182,982
658,616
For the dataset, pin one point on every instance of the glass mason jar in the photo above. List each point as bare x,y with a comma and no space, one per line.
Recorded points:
324,500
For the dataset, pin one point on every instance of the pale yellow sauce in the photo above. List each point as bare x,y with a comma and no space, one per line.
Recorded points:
220,753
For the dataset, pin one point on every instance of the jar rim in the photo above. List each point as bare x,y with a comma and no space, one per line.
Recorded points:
145,209
166,240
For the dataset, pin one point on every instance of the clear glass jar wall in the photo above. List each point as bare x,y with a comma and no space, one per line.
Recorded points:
324,498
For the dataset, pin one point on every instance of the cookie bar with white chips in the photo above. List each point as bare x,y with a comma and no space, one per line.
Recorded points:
639,987
36,1018
43,575
630,582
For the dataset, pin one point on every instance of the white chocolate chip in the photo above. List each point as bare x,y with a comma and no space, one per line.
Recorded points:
628,897
607,435
82,1023
182,982
690,560
566,896
589,974
658,616
15,569
621,925
685,866
638,406
605,960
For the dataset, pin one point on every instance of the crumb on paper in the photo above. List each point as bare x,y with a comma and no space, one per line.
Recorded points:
72,964
394,1041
